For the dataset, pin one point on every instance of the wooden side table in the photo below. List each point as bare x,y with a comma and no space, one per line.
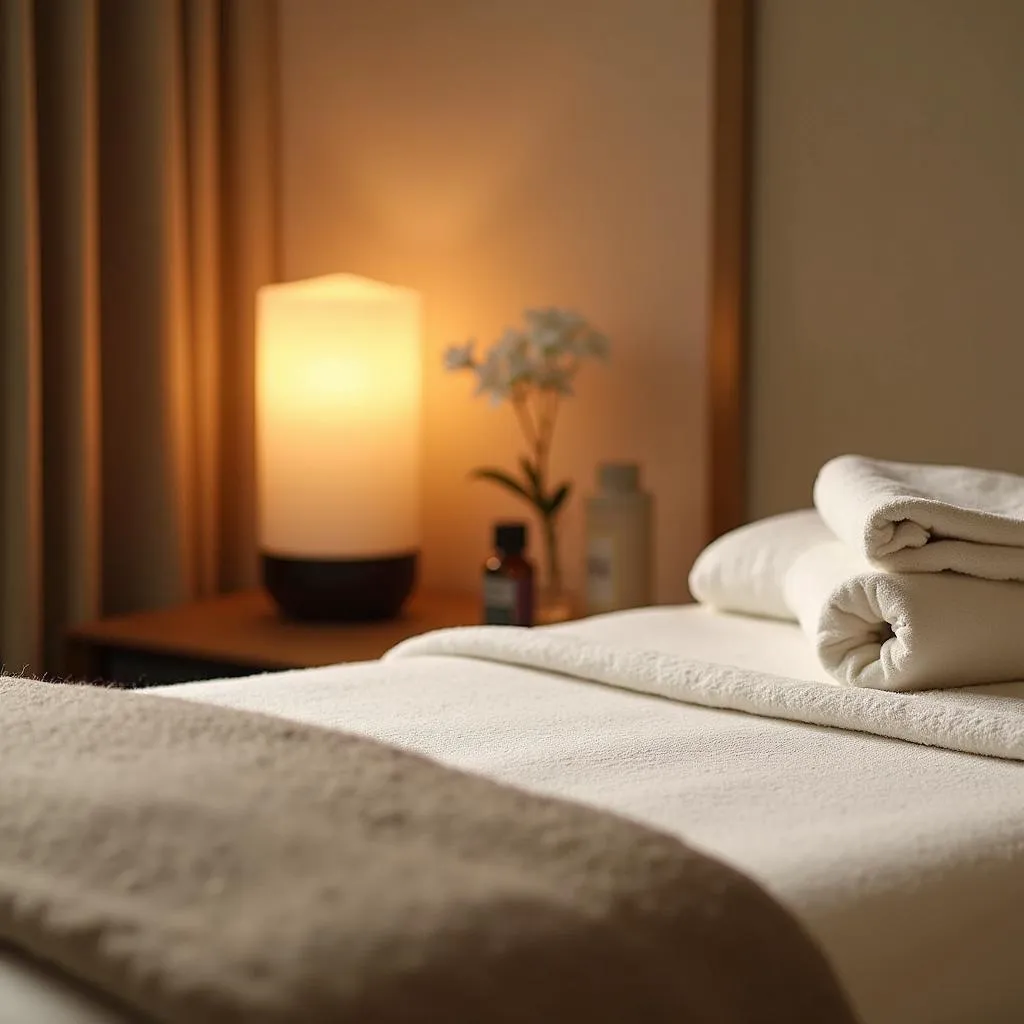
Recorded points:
242,634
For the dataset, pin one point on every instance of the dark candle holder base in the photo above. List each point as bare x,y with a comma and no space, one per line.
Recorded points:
339,590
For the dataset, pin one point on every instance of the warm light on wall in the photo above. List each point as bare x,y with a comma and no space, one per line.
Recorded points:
338,450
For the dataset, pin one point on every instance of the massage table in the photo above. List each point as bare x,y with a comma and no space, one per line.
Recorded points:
904,860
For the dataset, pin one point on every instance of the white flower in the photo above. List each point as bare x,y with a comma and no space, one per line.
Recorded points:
552,329
510,341
513,349
549,342
591,343
460,357
493,376
555,378
545,356
520,365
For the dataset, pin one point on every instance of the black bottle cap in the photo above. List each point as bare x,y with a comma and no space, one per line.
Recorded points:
510,538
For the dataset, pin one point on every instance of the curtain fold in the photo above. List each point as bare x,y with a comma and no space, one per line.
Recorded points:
136,222
66,194
21,564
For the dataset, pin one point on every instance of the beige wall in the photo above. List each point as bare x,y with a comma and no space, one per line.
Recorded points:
888,299
508,153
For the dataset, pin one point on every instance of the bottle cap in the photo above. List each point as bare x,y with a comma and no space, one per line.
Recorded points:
510,538
618,477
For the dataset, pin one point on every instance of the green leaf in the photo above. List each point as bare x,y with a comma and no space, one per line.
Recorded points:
499,476
557,500
531,474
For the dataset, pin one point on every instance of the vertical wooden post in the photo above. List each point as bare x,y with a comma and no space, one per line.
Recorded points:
732,38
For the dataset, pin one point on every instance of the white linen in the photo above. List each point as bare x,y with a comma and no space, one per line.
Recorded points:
918,518
901,859
990,722
745,569
886,631
906,631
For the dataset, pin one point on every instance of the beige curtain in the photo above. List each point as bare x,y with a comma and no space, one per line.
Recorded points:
136,221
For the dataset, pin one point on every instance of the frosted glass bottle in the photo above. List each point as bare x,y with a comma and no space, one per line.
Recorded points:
619,537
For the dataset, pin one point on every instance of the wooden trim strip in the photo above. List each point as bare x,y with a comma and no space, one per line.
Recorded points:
732,38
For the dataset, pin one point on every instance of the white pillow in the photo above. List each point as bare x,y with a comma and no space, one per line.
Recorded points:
745,570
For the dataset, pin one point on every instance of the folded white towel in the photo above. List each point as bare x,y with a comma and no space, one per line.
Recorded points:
889,631
913,518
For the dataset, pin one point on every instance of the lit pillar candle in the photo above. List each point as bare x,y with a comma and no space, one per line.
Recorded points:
338,376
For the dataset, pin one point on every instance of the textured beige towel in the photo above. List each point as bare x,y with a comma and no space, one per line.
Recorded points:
209,865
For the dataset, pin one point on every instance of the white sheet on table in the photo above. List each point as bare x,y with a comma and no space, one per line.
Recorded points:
905,861
973,720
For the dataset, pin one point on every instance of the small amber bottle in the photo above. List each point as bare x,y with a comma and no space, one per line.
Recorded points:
508,579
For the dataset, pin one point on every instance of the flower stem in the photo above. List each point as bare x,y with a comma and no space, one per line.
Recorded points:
553,580
525,420
548,401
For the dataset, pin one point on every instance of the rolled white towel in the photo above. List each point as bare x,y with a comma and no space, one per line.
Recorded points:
915,518
888,631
